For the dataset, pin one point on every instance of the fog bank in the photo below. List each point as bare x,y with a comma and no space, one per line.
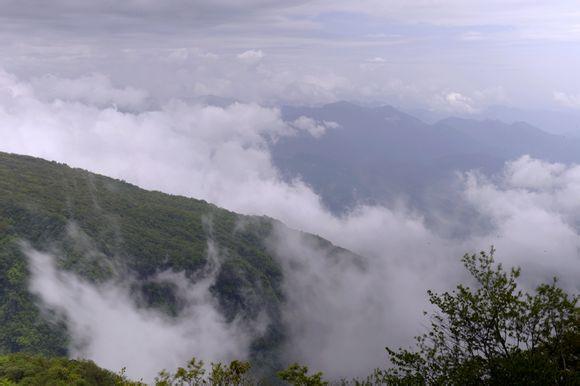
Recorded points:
107,326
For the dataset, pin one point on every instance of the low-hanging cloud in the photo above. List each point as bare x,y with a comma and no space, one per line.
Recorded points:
312,127
341,314
107,326
221,155
342,310
95,89
535,212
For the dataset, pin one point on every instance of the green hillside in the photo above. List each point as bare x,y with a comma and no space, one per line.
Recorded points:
25,369
101,228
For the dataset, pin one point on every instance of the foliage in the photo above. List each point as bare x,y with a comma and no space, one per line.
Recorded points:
298,375
237,373
494,334
22,326
194,374
23,369
100,228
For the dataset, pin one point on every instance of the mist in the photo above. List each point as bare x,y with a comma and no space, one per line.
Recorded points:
106,325
341,313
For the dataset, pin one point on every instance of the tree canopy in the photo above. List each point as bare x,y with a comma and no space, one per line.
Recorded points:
495,333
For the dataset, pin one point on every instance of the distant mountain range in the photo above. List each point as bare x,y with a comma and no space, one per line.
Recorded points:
377,154
563,122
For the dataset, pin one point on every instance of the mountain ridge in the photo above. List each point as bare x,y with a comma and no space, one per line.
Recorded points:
93,223
378,154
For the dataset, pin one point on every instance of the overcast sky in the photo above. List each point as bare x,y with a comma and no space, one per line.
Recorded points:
445,55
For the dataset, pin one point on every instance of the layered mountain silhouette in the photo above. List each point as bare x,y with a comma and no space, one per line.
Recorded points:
378,154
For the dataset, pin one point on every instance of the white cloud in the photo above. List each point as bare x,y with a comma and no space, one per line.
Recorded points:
251,56
316,129
95,89
331,124
459,102
567,100
107,326
453,102
529,173
535,212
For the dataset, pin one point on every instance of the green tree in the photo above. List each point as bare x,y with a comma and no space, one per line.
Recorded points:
494,334
298,375
194,374
26,369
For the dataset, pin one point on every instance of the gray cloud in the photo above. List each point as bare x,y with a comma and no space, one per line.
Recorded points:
312,51
138,15
200,13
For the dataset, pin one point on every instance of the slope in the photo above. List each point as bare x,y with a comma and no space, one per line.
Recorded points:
103,228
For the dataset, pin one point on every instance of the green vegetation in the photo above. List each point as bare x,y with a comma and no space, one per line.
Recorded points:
496,334
236,373
22,369
298,375
100,228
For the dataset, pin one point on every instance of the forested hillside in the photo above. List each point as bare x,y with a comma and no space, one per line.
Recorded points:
102,228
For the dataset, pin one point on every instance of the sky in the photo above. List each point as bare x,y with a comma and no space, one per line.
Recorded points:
448,55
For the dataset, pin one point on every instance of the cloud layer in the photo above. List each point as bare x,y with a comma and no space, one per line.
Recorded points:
304,51
221,154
